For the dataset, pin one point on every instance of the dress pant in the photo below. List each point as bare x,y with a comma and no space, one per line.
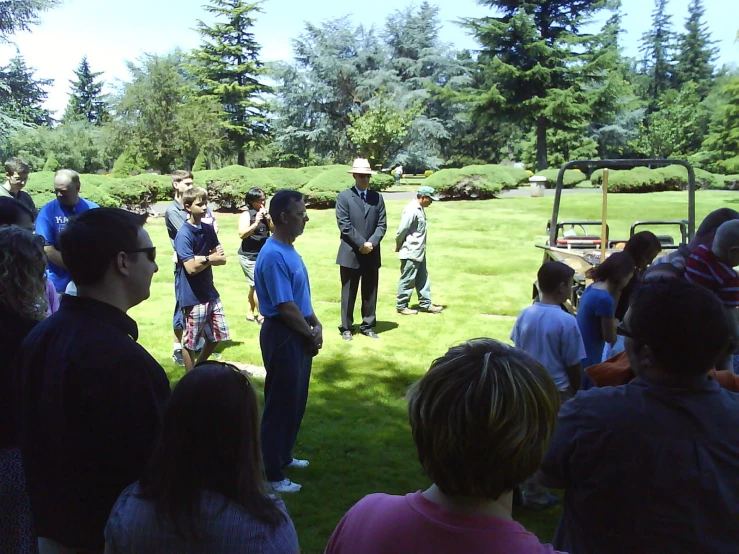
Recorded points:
287,362
350,279
413,275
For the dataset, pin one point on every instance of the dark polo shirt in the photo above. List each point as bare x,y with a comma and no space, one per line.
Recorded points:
90,404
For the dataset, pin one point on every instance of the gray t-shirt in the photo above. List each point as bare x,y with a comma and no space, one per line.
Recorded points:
551,336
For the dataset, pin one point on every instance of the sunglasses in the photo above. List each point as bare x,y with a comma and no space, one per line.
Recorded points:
151,252
247,382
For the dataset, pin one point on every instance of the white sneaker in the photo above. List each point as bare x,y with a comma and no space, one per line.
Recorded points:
285,486
298,463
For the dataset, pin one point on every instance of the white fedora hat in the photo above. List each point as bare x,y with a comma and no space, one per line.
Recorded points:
362,167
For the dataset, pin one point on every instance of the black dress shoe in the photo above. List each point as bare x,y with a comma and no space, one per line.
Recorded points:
370,333
346,335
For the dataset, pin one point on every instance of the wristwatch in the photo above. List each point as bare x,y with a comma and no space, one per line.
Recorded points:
207,259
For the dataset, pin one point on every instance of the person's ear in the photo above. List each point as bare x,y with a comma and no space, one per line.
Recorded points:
122,262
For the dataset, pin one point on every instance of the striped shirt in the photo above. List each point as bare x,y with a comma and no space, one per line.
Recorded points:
706,269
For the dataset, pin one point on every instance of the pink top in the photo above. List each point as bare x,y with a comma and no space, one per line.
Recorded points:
52,298
411,523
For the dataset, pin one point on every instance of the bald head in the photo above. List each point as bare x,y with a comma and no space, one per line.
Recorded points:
67,187
726,242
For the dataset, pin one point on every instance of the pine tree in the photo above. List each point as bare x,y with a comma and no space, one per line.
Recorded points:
22,95
658,47
539,65
695,51
228,68
86,101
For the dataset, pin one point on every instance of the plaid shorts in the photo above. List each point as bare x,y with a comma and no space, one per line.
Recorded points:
204,320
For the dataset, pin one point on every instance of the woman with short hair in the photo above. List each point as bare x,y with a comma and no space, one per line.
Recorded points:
255,226
481,418
203,489
22,306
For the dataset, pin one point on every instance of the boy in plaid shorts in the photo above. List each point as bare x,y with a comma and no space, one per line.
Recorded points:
198,248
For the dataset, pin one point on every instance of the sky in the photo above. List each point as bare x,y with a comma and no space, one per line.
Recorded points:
112,32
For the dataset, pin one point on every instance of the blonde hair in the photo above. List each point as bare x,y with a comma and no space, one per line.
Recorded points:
180,175
22,279
195,193
71,174
482,418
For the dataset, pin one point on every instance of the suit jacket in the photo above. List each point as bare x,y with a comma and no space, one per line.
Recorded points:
360,222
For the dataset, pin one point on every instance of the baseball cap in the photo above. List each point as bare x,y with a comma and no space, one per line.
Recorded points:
428,191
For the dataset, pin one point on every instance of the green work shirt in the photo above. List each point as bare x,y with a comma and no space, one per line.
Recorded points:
410,239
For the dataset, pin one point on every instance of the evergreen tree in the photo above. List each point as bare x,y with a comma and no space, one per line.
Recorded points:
695,51
539,65
228,68
22,95
658,47
86,101
721,147
19,15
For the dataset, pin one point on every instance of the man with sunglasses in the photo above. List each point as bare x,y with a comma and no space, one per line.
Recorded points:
652,466
89,396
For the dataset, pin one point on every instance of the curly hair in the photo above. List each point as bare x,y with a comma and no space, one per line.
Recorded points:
22,267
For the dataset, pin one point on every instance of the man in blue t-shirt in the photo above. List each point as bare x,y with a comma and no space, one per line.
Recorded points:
197,248
53,218
291,335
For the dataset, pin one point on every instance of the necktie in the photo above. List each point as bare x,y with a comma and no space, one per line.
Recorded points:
363,195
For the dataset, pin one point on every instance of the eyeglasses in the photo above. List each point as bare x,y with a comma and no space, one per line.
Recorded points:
151,252
247,382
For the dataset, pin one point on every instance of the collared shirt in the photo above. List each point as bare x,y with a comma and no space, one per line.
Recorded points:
704,268
362,193
226,528
551,336
410,239
280,276
51,221
90,402
194,241
21,196
648,468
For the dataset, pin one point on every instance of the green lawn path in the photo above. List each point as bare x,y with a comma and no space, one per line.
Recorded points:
482,263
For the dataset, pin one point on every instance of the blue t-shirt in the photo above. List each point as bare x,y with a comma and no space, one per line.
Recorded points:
280,276
594,304
647,468
194,241
51,221
551,336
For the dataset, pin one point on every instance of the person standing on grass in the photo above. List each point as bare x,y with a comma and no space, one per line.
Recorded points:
255,226
362,221
16,177
90,397
203,490
53,218
482,418
551,336
410,243
291,335
174,218
198,249
652,466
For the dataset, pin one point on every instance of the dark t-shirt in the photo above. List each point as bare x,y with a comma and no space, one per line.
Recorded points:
252,244
190,242
647,469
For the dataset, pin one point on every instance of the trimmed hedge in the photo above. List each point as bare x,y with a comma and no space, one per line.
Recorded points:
572,177
642,179
474,181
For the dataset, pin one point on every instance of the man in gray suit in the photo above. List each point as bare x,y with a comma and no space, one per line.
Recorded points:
360,215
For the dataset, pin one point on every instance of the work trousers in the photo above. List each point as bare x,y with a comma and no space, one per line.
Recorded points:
413,275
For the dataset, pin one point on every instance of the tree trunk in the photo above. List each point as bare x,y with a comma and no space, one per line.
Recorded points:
541,144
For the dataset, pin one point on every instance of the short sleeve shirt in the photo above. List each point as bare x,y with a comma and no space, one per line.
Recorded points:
192,241
704,268
281,276
551,336
51,221
594,304
648,468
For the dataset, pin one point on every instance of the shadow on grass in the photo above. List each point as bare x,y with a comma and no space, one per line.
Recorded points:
383,326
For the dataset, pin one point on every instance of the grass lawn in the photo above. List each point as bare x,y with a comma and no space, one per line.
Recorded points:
482,263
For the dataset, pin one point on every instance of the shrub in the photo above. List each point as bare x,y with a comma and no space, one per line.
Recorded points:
570,179
731,182
471,182
199,163
642,179
521,176
51,163
428,173
125,165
